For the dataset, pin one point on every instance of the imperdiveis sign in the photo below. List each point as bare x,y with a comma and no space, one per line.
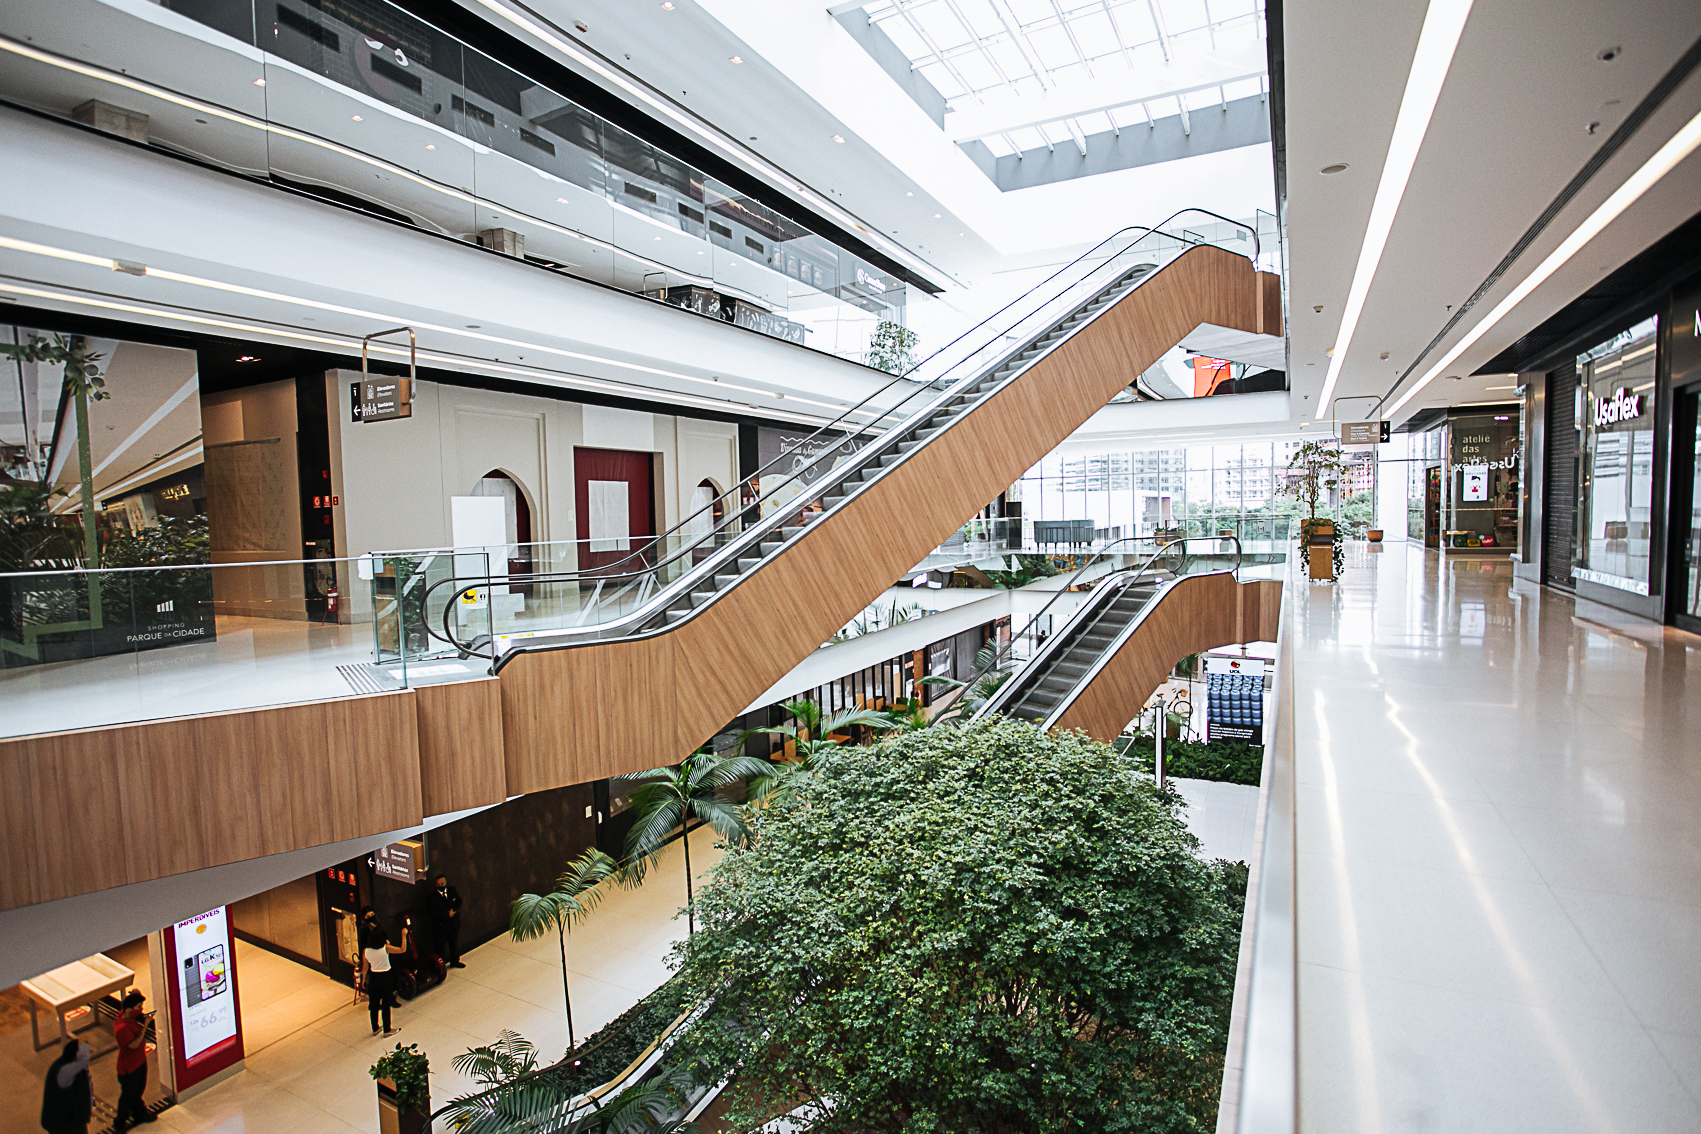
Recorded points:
1622,406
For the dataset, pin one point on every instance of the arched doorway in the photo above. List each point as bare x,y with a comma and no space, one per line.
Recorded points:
519,517
704,514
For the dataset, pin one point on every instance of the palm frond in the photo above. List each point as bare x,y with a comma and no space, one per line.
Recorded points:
726,818
534,915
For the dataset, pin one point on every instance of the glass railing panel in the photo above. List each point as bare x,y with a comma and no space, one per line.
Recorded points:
199,86
83,649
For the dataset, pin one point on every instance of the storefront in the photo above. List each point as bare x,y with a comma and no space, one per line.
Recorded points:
1613,491
1472,470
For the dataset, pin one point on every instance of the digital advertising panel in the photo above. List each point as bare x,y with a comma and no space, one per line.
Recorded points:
206,1020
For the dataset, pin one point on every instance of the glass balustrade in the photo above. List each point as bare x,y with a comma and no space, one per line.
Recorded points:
86,648
363,103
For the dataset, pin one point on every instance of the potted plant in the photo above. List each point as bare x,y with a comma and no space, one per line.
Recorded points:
1316,468
404,1090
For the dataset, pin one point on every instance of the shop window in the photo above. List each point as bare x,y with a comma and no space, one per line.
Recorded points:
1614,410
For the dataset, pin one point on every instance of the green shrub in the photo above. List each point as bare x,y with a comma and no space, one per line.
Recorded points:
974,929
1227,761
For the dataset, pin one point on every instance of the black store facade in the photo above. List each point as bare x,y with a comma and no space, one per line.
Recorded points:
1611,388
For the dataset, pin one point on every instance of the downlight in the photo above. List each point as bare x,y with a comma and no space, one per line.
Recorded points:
1338,167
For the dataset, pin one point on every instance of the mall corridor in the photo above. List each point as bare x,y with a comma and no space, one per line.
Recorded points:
1497,855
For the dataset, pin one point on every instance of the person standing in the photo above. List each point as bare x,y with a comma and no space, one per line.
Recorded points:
378,978
67,1098
444,902
131,1030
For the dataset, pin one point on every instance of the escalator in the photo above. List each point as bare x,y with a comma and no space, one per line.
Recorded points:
1140,618
656,652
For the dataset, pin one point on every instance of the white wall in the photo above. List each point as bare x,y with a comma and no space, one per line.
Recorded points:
395,478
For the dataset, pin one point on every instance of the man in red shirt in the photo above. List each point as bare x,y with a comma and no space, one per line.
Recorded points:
131,1031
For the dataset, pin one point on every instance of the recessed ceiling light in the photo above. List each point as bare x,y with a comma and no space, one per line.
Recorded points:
429,146
1338,167
909,194
259,82
354,118
1500,387
738,58
667,5
935,216
838,139
561,200
247,358
658,238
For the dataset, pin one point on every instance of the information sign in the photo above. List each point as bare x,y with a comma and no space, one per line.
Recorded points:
380,399
1365,432
398,862
200,1014
1234,688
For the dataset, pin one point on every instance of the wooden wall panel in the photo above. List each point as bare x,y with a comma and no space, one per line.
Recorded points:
1204,612
97,808
460,745
720,660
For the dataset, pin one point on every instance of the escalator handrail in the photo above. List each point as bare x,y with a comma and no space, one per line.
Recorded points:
1001,654
730,514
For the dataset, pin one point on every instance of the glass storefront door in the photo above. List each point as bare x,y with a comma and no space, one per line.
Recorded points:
1686,446
1615,408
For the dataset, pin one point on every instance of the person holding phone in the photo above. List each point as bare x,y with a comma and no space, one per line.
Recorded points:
378,978
131,1030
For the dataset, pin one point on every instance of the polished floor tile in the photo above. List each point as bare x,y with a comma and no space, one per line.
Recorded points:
1498,912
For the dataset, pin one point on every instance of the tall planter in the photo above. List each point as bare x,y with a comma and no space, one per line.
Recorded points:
404,1091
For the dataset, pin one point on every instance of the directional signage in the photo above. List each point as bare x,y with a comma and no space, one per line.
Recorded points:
380,399
1365,433
397,861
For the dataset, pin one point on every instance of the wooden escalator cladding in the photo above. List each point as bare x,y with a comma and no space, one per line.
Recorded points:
601,709
1199,613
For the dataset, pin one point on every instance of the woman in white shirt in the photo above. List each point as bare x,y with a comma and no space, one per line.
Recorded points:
377,977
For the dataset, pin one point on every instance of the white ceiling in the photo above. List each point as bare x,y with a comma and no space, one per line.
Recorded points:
1508,132
804,81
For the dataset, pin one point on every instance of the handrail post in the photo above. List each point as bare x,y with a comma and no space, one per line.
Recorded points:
1158,744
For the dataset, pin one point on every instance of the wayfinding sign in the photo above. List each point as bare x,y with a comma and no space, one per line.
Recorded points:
380,399
1365,432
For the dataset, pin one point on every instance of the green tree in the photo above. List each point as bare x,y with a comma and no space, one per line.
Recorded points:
813,738
575,895
892,347
1314,471
992,670
985,929
668,798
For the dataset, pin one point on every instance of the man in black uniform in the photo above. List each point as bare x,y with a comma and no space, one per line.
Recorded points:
444,902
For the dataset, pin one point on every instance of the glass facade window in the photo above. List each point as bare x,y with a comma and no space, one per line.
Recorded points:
1483,473
1615,412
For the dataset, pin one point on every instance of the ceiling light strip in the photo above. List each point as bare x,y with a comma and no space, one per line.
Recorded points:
1442,26
1665,159
349,343
16,245
1634,121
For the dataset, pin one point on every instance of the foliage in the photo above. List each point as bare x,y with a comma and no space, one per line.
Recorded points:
812,737
874,619
1227,761
1314,471
1029,568
992,670
82,371
980,929
667,798
410,1070
30,533
172,542
1356,514
892,347
509,1057
575,896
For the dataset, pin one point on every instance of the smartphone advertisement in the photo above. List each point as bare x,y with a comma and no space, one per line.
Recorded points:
207,1024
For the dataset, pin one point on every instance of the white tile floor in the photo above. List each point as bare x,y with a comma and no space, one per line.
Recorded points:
1222,816
310,1074
1498,856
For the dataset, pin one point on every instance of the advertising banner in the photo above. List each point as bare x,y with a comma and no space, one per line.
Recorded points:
1234,706
206,1021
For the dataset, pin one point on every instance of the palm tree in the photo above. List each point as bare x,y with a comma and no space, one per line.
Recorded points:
993,672
814,738
667,798
574,896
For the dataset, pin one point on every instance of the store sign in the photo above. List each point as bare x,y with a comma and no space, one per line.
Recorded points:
380,399
872,283
176,492
1622,406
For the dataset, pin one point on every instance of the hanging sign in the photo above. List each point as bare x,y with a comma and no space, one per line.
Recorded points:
380,399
